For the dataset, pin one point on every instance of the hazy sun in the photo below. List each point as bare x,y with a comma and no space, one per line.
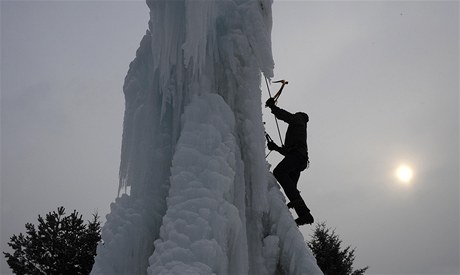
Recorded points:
404,173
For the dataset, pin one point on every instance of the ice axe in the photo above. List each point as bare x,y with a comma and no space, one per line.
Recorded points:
275,98
277,95
269,139
267,136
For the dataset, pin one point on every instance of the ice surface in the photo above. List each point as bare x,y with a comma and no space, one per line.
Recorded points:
202,223
198,197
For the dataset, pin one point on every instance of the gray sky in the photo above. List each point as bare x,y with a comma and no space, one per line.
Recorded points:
378,79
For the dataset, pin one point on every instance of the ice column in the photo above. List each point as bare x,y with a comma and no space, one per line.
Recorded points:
197,196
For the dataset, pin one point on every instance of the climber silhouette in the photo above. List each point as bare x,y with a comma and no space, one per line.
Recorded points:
295,151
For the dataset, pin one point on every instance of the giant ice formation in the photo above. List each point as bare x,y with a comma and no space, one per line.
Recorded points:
197,195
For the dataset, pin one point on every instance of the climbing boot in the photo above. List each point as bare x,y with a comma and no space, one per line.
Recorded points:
304,220
304,214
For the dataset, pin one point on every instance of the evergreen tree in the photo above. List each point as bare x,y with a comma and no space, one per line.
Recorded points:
59,245
330,257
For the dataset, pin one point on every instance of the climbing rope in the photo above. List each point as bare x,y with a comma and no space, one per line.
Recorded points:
276,120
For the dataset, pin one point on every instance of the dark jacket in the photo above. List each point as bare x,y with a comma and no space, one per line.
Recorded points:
296,134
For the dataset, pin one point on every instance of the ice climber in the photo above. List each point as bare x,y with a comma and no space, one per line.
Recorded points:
295,152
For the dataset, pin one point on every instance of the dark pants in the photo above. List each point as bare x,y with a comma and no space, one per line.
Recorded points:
287,173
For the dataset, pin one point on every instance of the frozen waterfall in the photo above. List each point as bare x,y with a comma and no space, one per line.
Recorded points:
197,195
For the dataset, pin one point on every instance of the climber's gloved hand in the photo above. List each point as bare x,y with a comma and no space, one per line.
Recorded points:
272,146
270,102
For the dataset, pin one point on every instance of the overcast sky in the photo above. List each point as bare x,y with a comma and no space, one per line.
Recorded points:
378,79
